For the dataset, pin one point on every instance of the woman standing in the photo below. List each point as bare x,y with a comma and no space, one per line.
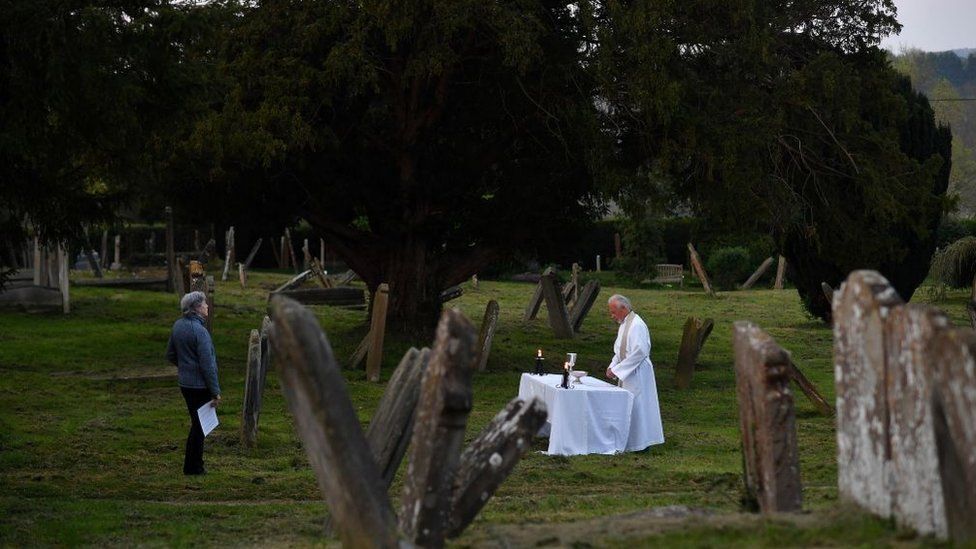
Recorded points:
191,350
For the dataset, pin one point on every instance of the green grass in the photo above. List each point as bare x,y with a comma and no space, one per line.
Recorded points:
91,448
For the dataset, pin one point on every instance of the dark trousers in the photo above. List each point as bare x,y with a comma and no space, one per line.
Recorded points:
193,461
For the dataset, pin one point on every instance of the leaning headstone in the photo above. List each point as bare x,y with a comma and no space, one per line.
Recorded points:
584,302
291,250
451,293
767,420
860,308
294,282
699,269
442,414
756,275
377,331
810,390
359,354
316,269
532,309
251,411
828,292
346,278
337,450
228,253
491,457
252,253
487,334
443,491
693,337
558,316
391,427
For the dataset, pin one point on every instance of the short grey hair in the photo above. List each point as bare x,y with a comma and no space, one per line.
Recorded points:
621,300
192,301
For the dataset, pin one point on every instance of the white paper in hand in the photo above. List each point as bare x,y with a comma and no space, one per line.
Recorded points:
208,418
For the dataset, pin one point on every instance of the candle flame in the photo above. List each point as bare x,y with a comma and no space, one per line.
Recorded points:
540,353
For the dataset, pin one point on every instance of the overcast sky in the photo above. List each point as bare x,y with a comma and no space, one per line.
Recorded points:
934,25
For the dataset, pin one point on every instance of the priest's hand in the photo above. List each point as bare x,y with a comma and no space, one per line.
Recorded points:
610,374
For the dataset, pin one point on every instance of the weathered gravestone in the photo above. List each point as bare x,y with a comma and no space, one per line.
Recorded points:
377,332
391,427
693,337
442,491
859,311
532,309
294,282
453,292
117,263
319,274
329,428
810,390
756,275
487,334
699,269
954,422
828,292
780,273
894,366
291,251
916,496
252,253
559,319
767,420
229,258
583,303
251,411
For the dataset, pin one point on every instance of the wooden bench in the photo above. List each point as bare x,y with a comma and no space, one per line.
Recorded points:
668,274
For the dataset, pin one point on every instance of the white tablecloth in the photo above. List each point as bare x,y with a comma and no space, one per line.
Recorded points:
591,418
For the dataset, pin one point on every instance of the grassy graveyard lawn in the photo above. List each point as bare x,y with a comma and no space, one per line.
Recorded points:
92,428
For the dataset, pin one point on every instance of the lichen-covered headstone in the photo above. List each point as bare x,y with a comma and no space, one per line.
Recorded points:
860,308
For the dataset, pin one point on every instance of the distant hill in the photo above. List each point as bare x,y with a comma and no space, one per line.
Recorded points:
950,75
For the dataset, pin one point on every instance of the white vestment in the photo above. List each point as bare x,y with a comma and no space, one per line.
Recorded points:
632,365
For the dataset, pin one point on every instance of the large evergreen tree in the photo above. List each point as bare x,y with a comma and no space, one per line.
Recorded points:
90,90
784,116
423,139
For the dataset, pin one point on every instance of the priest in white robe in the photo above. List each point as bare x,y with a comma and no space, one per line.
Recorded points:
631,367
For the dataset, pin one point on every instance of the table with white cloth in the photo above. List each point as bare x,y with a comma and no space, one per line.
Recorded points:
591,418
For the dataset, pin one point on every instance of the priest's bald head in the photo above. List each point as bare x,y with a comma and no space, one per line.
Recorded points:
619,307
